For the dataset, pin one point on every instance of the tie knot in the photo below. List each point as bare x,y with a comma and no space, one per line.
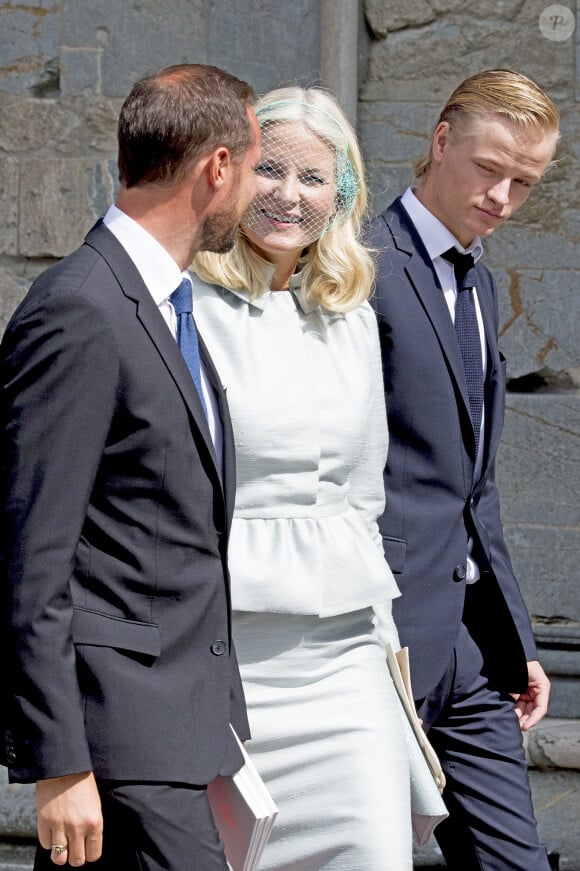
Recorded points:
463,264
182,298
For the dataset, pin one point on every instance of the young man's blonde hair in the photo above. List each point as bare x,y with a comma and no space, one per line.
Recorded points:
337,270
500,92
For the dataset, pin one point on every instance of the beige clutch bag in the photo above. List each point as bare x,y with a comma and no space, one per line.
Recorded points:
401,674
427,778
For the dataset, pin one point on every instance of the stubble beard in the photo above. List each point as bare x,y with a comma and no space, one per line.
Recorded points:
220,231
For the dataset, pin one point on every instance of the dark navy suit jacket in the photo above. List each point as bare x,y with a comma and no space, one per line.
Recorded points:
433,504
115,519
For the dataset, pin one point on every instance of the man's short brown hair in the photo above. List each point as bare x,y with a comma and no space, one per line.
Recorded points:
175,116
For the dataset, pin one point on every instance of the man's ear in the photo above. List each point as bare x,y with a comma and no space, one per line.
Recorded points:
440,141
218,166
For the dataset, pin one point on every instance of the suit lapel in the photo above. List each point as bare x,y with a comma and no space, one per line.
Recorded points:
229,466
134,288
494,397
424,280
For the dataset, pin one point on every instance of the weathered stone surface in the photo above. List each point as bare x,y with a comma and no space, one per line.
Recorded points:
539,316
16,857
268,42
9,168
101,125
396,132
59,202
384,17
538,479
80,71
28,45
131,39
17,817
391,136
12,290
554,743
430,60
37,125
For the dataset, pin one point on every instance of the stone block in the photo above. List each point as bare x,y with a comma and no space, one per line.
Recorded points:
519,246
12,291
428,60
101,125
539,482
9,170
33,125
136,37
80,71
28,45
59,202
284,41
383,18
554,743
391,136
533,333
16,856
17,809
396,132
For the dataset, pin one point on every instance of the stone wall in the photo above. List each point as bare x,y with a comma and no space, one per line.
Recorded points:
65,66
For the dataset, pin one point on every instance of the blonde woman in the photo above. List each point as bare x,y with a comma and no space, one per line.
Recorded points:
286,319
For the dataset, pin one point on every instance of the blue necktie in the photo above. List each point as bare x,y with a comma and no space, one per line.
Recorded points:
467,332
187,334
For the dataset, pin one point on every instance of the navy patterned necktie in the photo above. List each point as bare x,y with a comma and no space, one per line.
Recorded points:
187,334
467,332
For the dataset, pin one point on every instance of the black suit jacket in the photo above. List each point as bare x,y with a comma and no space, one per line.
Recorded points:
432,503
115,523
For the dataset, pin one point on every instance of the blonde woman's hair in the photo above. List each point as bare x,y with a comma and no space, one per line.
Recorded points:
495,92
337,269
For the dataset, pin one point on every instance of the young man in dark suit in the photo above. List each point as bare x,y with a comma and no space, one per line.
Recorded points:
475,672
117,489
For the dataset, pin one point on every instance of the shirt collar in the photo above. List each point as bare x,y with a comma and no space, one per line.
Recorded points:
157,268
295,288
435,235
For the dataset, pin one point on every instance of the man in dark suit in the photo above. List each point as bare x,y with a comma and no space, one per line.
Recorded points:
117,489
474,664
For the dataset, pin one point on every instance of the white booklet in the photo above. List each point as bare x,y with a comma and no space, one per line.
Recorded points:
244,814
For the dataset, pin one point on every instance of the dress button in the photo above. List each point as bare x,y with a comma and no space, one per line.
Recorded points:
460,573
218,648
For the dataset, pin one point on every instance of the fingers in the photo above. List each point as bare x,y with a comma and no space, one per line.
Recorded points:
93,847
69,819
76,849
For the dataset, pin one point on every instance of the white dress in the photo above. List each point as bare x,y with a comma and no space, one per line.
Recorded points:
306,398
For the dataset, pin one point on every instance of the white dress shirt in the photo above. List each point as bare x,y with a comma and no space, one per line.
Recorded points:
437,240
162,276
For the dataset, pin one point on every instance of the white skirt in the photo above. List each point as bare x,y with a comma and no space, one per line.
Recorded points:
327,738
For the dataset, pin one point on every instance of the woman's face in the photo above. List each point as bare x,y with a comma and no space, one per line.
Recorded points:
295,190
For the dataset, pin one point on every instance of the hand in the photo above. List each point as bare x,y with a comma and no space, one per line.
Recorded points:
68,813
532,704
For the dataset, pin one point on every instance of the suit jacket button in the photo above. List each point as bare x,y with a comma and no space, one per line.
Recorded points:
218,648
10,757
460,573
